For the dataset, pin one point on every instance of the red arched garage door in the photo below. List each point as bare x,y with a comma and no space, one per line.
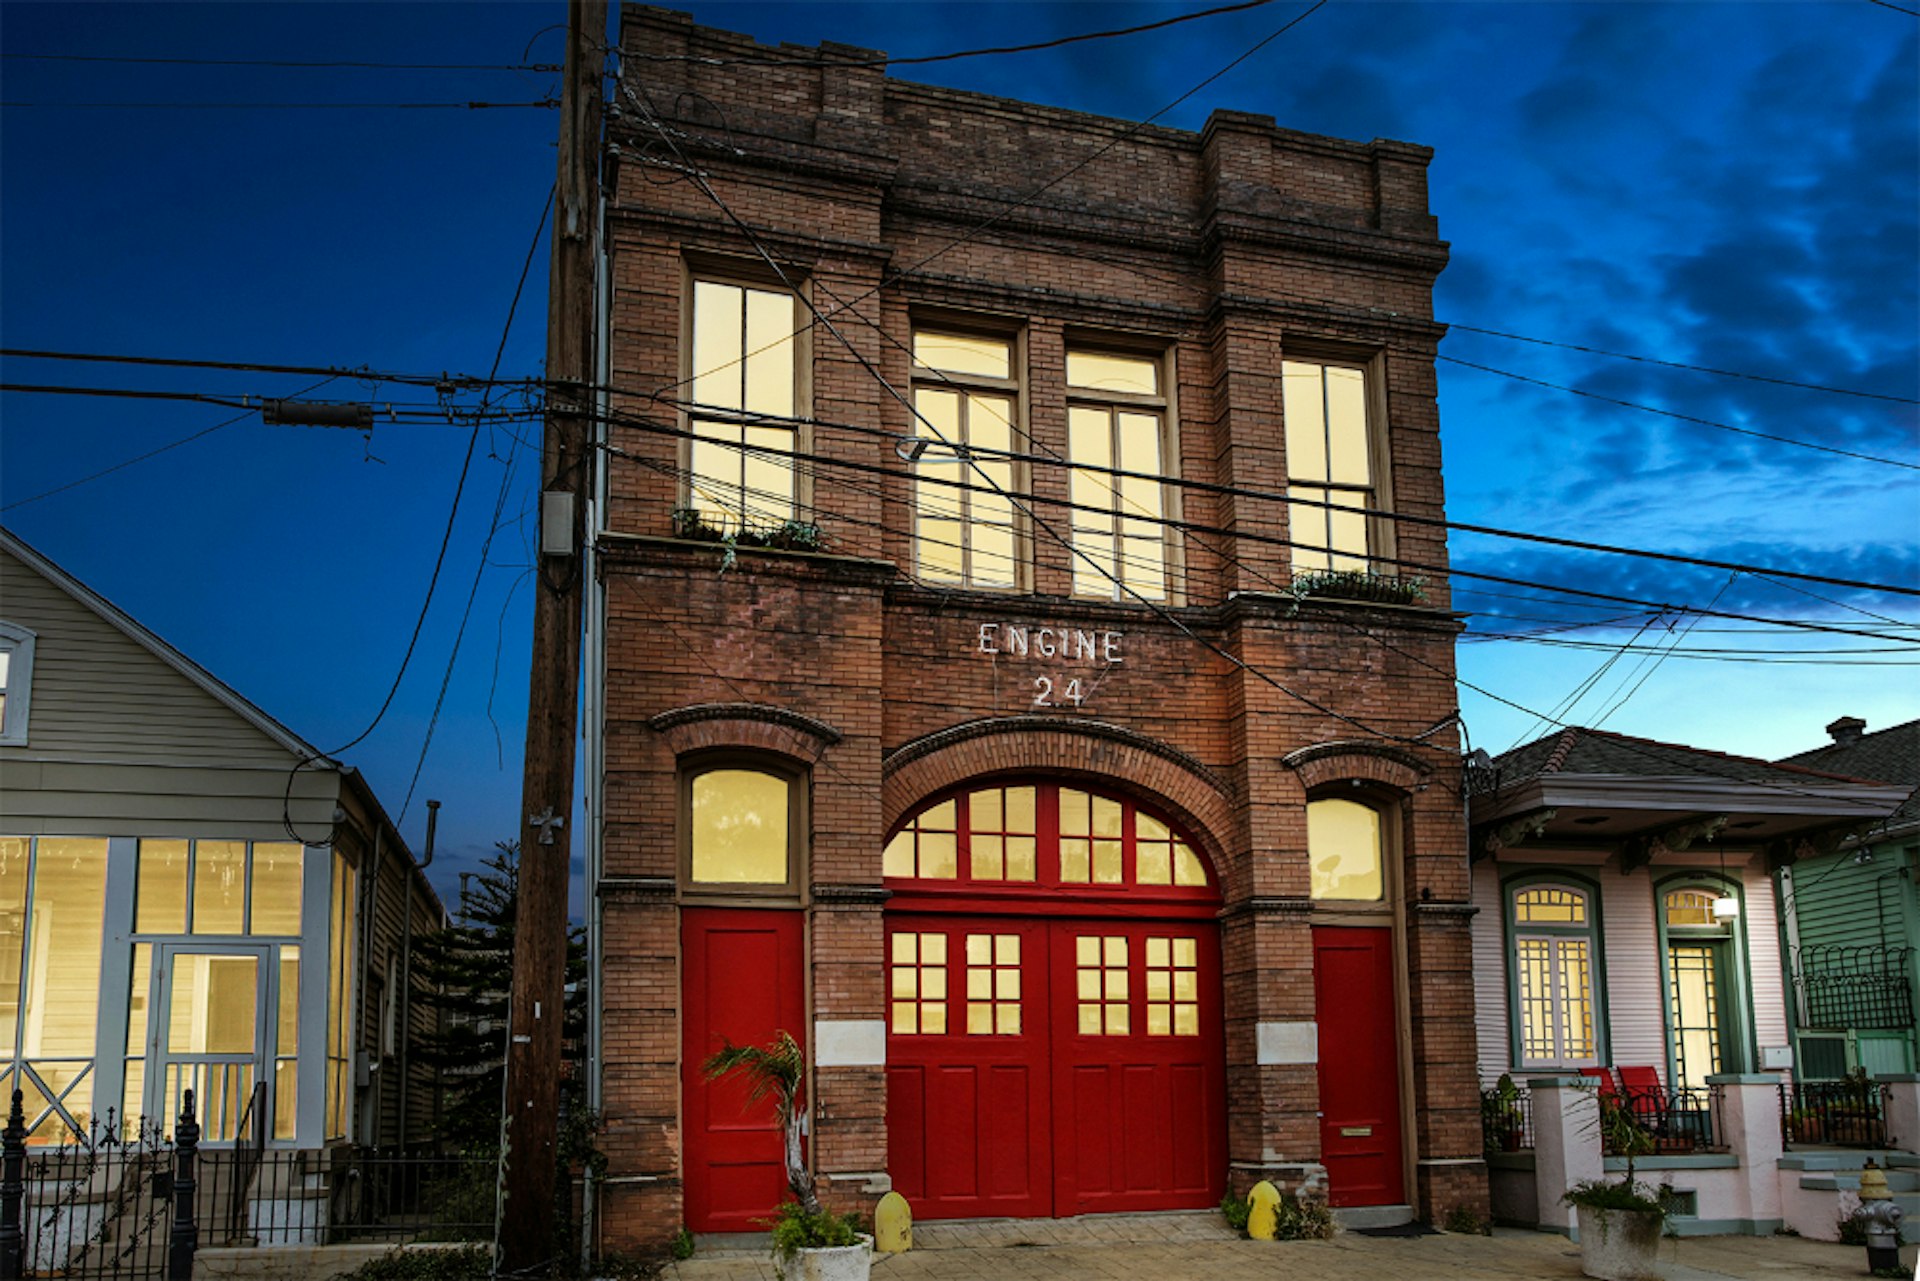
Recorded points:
1054,1044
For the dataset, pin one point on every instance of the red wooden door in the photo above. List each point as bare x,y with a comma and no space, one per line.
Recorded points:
1138,1066
742,982
967,1088
1059,1068
1360,1138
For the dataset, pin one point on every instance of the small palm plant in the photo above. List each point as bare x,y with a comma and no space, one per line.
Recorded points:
779,1069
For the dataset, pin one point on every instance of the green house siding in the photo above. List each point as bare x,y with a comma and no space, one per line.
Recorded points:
1841,901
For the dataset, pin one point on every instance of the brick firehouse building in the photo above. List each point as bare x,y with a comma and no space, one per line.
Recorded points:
956,701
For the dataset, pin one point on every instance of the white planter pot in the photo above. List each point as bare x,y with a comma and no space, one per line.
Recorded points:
836,1263
1619,1245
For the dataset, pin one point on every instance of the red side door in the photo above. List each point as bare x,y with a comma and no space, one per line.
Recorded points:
1138,1066
741,971
967,1088
1360,1139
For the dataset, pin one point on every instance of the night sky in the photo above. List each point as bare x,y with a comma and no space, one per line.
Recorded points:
1727,185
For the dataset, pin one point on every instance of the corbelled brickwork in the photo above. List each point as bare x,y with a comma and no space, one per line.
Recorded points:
1227,250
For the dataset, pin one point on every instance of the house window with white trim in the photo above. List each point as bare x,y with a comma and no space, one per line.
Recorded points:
16,683
1553,980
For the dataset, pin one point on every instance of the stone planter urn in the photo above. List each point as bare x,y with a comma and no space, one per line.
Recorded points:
833,1263
1619,1245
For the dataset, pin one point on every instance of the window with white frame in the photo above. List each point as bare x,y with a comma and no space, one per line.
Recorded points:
966,395
1116,422
1330,465
16,683
52,903
745,376
1553,964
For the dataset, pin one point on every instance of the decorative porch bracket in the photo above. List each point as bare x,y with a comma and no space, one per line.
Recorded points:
1788,850
1640,851
1515,831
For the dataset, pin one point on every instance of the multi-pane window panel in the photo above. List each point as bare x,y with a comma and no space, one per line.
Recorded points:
918,984
52,903
1001,825
1549,905
1119,538
964,483
1160,857
1693,974
1100,985
1554,980
218,887
1691,908
993,985
1090,838
928,846
743,373
1330,465
1173,987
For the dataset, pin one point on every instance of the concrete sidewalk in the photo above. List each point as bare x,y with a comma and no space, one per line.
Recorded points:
1198,1247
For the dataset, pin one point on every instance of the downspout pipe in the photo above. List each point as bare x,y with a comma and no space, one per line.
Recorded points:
406,973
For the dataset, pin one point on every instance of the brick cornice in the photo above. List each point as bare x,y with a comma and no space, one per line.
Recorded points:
1352,758
702,726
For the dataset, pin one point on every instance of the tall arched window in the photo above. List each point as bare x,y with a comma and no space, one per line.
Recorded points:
1552,930
1344,851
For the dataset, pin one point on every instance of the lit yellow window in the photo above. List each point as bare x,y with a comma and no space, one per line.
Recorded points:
1100,979
276,888
1329,465
928,846
219,887
1090,839
1119,540
1343,849
965,395
743,368
1173,987
1000,832
1160,857
739,827
1549,905
993,984
918,984
160,894
1691,907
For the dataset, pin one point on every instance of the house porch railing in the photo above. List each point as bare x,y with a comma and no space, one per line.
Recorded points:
1846,1113
1679,1120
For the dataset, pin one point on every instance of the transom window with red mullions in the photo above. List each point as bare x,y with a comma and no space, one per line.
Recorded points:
1016,836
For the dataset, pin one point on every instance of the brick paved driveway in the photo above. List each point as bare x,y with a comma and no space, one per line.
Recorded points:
1197,1247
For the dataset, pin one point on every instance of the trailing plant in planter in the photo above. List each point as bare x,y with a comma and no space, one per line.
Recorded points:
1620,1221
809,1241
1501,1124
1356,584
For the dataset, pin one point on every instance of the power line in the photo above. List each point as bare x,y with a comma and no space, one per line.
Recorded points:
1685,418
462,382
1680,364
1897,8
1239,491
817,57
304,64
545,104
252,402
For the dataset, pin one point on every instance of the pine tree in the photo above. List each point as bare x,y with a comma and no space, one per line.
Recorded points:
466,972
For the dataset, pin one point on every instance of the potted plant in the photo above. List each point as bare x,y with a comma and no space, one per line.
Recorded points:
1803,1126
1620,1222
810,1243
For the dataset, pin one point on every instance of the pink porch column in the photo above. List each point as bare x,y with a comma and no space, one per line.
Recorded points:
1566,1144
1749,1123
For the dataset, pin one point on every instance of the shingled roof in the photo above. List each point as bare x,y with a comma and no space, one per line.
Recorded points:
1576,750
1886,756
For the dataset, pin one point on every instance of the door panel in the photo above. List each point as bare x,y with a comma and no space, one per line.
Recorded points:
1360,1132
743,983
209,1036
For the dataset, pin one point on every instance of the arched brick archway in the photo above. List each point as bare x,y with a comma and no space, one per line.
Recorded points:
746,726
1119,758
1346,760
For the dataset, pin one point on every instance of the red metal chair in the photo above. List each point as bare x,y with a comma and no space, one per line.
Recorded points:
1604,1075
1641,1089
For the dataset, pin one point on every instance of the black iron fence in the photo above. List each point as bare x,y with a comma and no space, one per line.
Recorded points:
1846,1113
1506,1117
137,1206
1679,1120
1854,987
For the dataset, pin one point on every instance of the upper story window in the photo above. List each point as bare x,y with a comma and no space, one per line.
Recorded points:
745,375
965,390
743,827
1330,460
16,683
1116,419
1553,964
1344,851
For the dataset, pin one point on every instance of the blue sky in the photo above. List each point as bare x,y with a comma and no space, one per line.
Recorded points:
1733,185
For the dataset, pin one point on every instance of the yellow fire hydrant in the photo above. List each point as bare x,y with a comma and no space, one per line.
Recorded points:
1881,1218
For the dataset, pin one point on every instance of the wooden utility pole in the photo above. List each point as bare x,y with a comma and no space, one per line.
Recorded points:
528,1225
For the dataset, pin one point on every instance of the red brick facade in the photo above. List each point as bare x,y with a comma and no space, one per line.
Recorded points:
1225,250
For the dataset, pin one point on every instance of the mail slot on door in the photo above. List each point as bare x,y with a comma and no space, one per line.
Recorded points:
1356,1131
